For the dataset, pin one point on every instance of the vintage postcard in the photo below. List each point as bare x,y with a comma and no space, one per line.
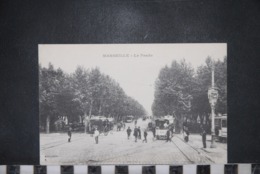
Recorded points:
133,103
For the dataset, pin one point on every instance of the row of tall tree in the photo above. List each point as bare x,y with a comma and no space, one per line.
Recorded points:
182,91
84,93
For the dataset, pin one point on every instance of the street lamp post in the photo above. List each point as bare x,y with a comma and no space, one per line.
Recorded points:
213,96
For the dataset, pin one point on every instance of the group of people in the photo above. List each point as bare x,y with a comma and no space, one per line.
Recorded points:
203,133
96,134
137,133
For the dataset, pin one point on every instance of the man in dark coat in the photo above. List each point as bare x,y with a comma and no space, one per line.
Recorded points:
69,134
145,136
186,134
128,132
204,135
135,133
139,133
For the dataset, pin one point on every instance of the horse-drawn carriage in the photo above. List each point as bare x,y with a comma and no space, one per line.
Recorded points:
103,124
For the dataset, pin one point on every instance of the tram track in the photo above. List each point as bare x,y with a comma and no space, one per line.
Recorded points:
194,149
191,154
191,161
136,150
58,143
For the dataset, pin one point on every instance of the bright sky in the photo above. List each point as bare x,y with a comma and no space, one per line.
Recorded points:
136,75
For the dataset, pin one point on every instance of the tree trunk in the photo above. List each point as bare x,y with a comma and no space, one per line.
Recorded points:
85,122
90,109
181,123
48,124
100,109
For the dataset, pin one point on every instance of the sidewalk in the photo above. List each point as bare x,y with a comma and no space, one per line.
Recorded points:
218,154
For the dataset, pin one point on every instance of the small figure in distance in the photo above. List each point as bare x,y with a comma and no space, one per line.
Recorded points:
135,133
186,134
69,134
145,136
204,135
96,134
154,130
128,132
168,135
139,133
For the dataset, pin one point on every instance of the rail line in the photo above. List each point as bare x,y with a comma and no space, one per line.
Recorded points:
58,144
183,153
191,148
136,149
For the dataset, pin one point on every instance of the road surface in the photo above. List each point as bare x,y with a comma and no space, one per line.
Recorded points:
115,148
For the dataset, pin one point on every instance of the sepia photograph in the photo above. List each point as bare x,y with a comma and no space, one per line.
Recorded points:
133,104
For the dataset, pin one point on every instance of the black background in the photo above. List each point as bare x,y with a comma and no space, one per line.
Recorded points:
25,24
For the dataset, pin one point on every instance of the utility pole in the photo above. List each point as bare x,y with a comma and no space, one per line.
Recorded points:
213,96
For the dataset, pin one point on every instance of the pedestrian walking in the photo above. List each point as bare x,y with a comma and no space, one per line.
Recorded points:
145,136
96,135
186,134
139,133
135,133
171,131
204,135
129,130
168,136
69,134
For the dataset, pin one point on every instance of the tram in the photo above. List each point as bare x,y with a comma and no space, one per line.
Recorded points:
161,129
221,127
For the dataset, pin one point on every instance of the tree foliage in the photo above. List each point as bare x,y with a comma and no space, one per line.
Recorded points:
201,104
173,89
182,92
82,93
